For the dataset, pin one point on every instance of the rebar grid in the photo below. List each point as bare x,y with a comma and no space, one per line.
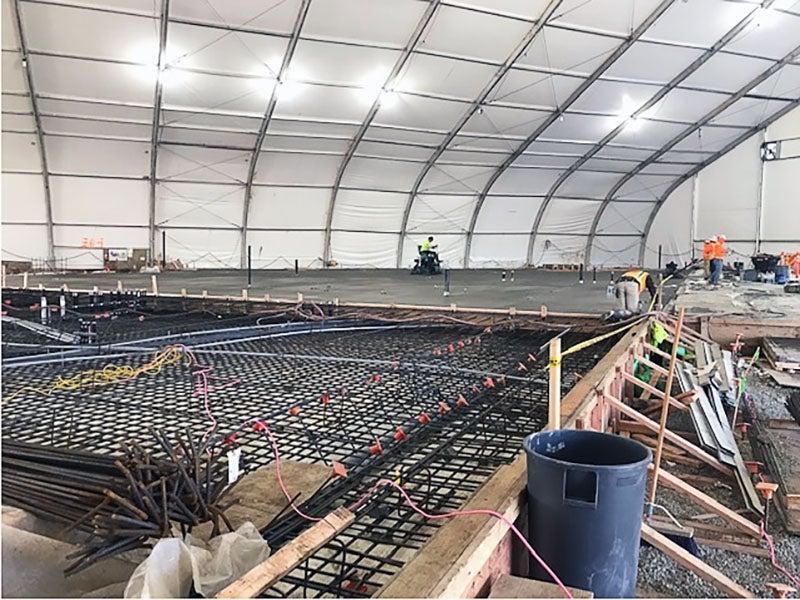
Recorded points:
328,396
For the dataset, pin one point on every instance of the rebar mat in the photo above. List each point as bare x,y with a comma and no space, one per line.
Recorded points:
354,397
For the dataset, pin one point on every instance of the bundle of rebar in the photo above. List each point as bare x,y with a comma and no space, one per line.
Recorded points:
120,501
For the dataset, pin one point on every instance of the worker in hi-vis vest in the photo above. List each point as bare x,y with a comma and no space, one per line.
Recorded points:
629,289
708,254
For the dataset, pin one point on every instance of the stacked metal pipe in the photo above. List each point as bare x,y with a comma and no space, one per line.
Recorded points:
121,501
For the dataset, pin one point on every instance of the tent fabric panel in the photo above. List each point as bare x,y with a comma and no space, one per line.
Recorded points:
525,181
780,201
90,201
283,168
616,251
498,251
672,229
80,156
22,198
728,192
21,152
369,211
364,250
701,23
567,216
624,217
95,128
561,249
204,248
588,184
107,81
199,205
381,174
364,19
279,249
514,214
24,242
440,214
288,208
202,164
456,179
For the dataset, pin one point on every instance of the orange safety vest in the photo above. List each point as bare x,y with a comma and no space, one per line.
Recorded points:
719,250
639,276
708,250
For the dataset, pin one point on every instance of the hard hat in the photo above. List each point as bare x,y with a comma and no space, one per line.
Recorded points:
721,237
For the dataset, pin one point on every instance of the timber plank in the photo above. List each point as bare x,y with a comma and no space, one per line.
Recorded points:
698,567
260,577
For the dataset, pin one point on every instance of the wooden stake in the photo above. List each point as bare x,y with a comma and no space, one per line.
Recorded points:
662,426
119,285
25,280
263,575
154,283
4,276
554,420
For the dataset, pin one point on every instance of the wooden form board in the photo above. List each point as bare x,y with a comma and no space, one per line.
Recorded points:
670,436
707,502
260,577
695,565
447,564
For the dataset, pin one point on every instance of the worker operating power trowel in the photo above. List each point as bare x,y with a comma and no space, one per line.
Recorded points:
428,261
628,292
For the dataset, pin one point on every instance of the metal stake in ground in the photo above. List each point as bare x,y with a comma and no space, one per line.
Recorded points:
662,426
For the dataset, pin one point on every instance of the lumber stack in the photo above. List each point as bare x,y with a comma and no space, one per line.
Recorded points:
712,380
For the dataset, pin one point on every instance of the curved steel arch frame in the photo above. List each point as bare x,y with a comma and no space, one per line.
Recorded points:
672,84
573,97
26,65
713,158
537,27
422,25
677,139
264,126
156,126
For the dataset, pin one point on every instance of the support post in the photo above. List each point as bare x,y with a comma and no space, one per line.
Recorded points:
249,265
4,275
163,248
25,280
554,419
594,274
296,267
580,273
154,284
662,425
446,282
659,258
119,285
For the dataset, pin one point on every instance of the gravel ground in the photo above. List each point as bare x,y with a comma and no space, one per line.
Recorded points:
659,575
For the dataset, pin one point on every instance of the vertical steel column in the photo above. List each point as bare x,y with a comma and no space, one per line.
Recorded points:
156,125
26,67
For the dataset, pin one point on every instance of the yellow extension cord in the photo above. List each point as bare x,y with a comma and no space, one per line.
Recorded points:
108,375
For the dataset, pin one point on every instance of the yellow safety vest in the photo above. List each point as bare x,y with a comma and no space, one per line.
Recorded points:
639,276
425,246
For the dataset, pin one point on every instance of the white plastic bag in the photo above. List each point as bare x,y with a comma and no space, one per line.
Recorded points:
175,563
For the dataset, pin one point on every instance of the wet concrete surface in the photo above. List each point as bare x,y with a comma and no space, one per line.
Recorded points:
559,290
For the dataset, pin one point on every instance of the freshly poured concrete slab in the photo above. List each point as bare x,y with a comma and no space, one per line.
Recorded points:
531,288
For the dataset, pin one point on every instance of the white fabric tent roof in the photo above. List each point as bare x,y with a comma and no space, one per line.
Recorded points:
350,129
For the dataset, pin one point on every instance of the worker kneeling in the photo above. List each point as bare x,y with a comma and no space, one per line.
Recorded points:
630,287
